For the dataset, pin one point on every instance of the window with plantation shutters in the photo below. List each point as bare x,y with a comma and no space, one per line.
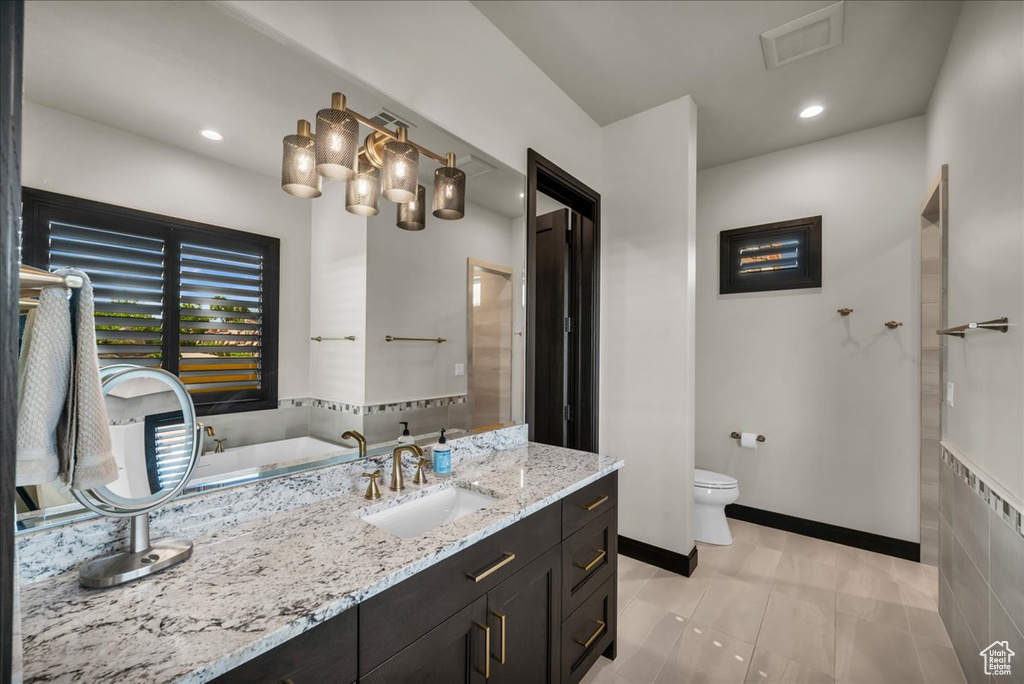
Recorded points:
197,300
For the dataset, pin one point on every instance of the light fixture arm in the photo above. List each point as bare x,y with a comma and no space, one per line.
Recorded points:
391,135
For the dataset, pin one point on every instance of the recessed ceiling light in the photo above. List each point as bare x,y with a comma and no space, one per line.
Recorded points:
522,195
813,110
210,134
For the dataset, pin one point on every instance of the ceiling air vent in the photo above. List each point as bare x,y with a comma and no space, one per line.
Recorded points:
803,37
473,166
387,118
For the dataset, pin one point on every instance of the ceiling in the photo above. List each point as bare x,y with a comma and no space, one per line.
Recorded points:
167,70
618,58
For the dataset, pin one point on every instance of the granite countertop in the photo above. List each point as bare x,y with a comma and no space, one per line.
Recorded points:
254,586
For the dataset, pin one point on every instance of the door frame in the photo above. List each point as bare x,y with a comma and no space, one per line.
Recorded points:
12,18
543,175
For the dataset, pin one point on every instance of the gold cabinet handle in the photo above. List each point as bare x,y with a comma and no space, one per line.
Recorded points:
593,637
486,672
595,503
597,559
501,617
509,557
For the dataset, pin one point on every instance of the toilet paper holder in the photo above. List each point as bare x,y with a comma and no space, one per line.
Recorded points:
736,435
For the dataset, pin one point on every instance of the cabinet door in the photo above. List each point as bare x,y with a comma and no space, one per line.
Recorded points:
454,652
524,613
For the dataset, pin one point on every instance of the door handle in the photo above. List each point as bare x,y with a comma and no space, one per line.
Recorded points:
486,672
593,637
595,503
597,559
509,557
502,618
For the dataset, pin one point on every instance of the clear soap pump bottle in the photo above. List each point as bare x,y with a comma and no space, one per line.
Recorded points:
405,437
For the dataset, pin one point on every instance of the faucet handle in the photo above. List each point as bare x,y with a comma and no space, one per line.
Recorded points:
220,445
421,475
372,491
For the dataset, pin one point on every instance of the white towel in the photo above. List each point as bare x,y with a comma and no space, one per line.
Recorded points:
43,371
87,458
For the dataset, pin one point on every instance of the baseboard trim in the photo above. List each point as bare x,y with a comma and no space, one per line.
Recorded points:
672,561
869,541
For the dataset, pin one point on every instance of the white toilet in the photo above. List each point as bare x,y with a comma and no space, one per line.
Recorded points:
712,492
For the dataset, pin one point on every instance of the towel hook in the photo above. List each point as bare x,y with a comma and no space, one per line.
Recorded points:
892,325
844,311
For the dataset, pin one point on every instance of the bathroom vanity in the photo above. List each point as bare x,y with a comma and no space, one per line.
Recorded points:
523,589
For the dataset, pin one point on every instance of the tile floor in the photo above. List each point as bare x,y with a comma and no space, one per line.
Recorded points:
780,607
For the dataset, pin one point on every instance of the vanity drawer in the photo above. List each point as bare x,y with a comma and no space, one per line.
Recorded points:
580,507
588,632
589,558
325,654
393,619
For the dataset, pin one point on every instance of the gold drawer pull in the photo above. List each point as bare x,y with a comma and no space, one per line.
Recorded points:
593,637
595,503
501,616
597,559
486,672
509,557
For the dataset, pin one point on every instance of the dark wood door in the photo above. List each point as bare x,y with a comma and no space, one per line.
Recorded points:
525,613
550,363
454,652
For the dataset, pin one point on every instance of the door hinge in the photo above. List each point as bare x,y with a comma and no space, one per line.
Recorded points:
567,412
567,326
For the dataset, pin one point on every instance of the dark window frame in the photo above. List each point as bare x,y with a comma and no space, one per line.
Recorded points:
40,206
807,230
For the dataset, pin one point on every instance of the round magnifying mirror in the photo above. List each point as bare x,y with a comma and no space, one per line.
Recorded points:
155,438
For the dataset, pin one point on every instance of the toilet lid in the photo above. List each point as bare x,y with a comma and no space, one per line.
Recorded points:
711,480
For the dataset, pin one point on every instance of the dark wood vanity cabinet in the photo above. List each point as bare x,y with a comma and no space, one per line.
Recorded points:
534,602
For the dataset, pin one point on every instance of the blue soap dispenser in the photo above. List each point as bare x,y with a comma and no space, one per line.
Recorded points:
442,457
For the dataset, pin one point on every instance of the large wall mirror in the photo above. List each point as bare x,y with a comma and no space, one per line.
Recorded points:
155,166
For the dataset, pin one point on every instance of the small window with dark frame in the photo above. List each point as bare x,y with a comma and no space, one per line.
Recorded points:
774,256
199,301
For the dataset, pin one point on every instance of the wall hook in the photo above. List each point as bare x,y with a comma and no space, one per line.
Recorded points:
844,311
892,325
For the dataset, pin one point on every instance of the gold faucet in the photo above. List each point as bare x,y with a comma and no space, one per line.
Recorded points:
397,478
220,446
208,429
352,434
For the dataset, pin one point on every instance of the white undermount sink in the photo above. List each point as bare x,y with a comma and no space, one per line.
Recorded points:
417,516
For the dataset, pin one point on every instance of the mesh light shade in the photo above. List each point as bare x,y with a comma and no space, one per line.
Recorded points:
337,143
413,215
449,193
298,164
362,196
401,168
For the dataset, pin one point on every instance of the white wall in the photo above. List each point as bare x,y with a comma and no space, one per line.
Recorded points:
647,320
837,398
337,299
450,64
976,125
416,287
74,156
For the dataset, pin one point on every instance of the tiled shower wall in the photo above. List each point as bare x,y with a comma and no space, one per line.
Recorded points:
933,317
981,570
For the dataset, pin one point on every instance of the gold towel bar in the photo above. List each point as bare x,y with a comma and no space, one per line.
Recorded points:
439,340
318,338
1000,324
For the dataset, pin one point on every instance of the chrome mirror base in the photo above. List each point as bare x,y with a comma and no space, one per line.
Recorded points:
143,558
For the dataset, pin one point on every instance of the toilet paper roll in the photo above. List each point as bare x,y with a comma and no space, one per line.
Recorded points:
748,440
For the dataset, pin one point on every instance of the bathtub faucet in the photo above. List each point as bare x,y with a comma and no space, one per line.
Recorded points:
208,429
352,434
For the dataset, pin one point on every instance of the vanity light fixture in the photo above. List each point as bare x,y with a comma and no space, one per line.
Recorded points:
337,141
362,195
413,215
211,134
812,111
387,163
449,191
298,168
400,173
